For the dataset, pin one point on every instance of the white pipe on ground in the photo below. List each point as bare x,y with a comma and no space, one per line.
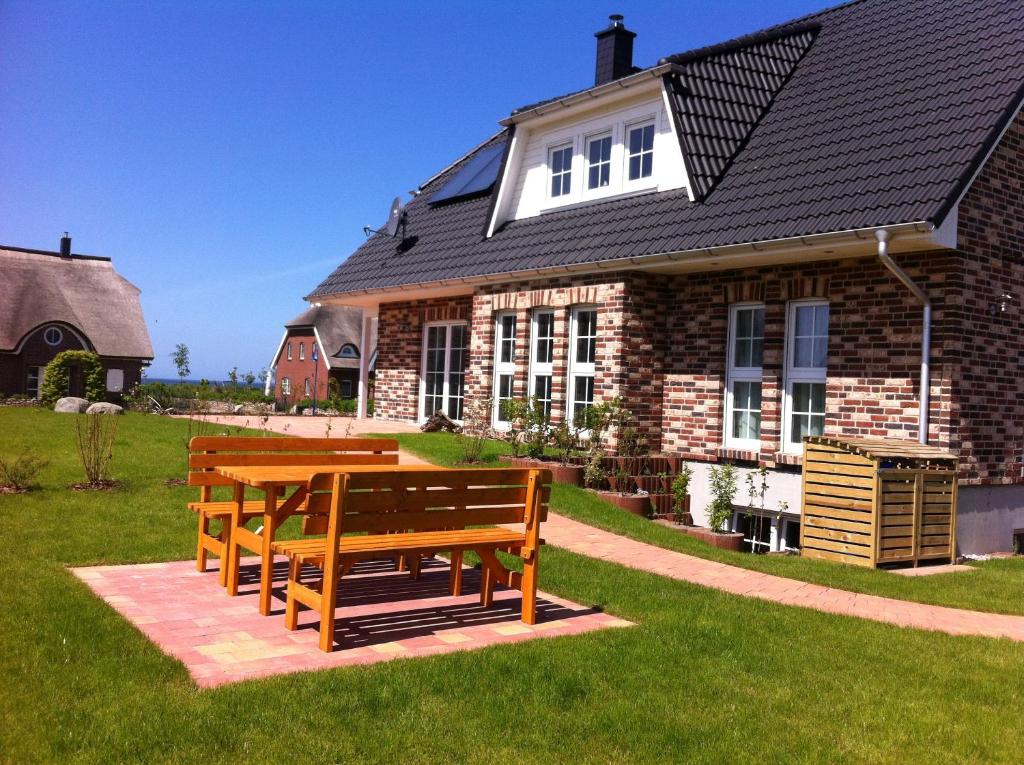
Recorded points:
926,330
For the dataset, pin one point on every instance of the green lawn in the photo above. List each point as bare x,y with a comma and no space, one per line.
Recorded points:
996,585
704,677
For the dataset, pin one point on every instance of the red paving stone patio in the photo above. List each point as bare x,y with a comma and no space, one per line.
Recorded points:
382,615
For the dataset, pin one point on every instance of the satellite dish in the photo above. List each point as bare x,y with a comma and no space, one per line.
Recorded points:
394,217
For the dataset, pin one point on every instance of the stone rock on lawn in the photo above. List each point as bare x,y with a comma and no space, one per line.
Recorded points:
71,404
102,407
239,409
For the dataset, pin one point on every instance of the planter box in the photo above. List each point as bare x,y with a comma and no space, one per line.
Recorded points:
637,504
731,540
570,474
664,508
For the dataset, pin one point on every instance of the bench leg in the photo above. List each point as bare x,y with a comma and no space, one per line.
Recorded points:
486,586
455,575
225,541
204,529
414,565
291,610
328,602
529,589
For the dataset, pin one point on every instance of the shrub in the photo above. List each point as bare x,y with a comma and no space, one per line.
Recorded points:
680,488
476,429
723,492
19,473
594,474
95,435
57,377
566,439
516,413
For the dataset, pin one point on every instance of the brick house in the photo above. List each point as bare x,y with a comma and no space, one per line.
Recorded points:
320,345
815,228
59,301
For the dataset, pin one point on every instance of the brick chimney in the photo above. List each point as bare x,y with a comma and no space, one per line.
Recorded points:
614,51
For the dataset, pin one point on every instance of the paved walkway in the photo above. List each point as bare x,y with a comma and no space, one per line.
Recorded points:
595,543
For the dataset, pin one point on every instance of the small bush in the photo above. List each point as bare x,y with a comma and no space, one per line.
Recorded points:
476,430
723,492
95,435
680,488
19,473
57,377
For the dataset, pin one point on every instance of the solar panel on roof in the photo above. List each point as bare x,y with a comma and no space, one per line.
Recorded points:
478,174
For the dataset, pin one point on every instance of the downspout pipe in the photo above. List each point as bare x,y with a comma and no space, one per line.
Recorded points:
926,329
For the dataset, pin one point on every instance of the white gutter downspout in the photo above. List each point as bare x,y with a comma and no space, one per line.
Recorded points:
926,330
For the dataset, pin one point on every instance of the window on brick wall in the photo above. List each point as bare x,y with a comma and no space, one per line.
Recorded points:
542,355
582,360
806,372
743,377
289,351
445,351
286,386
504,366
302,351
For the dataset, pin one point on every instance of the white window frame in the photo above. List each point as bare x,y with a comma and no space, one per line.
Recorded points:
578,368
59,336
289,351
561,146
739,374
541,368
445,391
502,368
599,190
302,351
794,374
40,373
286,386
642,181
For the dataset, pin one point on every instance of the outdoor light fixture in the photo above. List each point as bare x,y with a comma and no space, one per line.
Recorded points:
1001,303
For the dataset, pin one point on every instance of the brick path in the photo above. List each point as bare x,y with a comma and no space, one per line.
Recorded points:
381,615
595,543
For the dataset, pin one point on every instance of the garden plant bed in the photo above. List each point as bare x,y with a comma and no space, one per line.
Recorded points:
732,540
560,472
637,504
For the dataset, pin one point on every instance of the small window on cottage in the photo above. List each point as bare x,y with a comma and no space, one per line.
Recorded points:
348,351
302,351
346,389
115,380
743,377
34,381
806,372
289,351
641,151
307,388
53,336
599,162
561,171
286,386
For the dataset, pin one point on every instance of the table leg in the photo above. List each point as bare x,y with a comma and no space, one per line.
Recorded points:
229,561
266,553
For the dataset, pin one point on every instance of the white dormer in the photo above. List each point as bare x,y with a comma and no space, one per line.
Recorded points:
612,141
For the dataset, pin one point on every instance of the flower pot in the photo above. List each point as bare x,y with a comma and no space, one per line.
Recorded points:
637,504
570,474
524,462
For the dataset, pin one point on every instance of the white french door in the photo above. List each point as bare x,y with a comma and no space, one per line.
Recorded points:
582,359
542,354
445,353
504,367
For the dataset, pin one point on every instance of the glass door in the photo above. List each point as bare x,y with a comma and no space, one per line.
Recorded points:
444,369
542,354
504,367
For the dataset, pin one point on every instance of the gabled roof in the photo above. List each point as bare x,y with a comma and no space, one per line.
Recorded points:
885,119
39,287
335,326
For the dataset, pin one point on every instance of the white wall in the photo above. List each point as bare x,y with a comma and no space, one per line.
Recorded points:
781,487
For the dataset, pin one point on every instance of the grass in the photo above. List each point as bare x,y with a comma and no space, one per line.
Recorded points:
703,677
995,585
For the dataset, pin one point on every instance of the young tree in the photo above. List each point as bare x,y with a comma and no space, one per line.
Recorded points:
233,377
250,379
180,357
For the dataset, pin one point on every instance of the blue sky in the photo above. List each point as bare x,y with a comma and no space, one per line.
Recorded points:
226,155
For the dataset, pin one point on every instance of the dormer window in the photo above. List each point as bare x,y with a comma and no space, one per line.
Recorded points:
641,151
599,161
561,171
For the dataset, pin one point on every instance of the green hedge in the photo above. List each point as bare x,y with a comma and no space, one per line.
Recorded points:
57,377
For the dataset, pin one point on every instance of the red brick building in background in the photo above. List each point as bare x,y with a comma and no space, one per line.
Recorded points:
59,301
318,357
739,241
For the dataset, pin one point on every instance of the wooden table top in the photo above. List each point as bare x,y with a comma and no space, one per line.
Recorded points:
259,476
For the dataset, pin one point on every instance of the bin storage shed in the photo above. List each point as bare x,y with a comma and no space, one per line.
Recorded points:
872,501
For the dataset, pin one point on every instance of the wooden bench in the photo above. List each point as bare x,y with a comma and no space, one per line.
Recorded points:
391,513
209,452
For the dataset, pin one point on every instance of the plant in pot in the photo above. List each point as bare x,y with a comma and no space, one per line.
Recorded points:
723,486
632,449
566,440
515,412
757,487
536,430
594,475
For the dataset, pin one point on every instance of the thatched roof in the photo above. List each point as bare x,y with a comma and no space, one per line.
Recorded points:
38,287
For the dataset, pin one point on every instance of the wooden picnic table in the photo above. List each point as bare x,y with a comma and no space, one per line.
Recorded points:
272,480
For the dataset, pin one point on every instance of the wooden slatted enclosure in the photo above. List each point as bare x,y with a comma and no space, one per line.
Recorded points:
872,501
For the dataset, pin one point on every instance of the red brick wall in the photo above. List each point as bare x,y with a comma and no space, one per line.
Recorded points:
989,424
400,352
